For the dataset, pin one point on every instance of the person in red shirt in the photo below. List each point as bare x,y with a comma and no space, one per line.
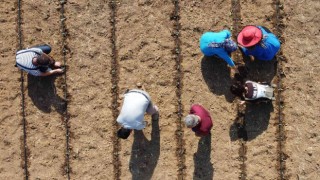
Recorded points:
199,120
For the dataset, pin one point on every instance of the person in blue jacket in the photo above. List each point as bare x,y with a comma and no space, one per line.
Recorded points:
218,44
258,42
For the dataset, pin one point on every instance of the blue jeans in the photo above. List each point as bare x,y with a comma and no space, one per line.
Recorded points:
44,47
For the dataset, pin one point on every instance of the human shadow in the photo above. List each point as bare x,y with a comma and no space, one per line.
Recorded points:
145,153
261,71
217,76
256,120
42,92
203,169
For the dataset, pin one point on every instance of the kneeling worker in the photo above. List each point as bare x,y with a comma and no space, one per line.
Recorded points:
253,92
37,62
199,120
136,103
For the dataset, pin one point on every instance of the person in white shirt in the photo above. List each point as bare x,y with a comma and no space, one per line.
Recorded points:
37,62
136,103
252,91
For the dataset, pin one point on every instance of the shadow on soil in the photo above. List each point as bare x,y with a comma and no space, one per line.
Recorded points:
217,76
42,92
257,117
203,169
145,153
261,71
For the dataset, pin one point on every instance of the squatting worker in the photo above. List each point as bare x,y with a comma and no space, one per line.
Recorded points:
218,44
252,91
136,103
258,43
199,120
37,62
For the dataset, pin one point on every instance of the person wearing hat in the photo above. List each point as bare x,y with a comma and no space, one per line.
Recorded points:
258,43
136,103
218,44
199,120
37,62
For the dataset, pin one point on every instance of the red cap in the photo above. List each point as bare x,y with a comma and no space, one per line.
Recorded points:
249,36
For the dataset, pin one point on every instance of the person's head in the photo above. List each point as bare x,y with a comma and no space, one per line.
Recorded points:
237,89
44,60
123,133
249,36
191,120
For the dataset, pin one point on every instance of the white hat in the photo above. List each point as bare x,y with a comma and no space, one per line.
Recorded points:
191,120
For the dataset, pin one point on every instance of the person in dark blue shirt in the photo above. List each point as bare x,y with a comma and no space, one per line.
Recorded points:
219,44
258,43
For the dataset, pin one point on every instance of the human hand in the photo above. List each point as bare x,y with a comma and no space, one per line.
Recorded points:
59,71
234,69
156,108
57,64
251,58
153,110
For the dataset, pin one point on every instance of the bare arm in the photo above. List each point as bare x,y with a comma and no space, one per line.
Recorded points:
55,71
152,109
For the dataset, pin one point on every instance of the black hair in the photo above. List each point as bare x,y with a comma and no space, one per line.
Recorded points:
43,60
123,133
238,89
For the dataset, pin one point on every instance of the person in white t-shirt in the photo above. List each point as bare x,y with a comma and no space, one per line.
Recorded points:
136,103
252,91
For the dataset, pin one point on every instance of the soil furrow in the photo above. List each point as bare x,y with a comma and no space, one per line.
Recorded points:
280,135
240,121
65,115
44,104
115,90
24,145
180,151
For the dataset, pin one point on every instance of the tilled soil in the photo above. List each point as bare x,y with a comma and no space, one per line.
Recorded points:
110,46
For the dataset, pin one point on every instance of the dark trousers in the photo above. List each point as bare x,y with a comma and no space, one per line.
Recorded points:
44,47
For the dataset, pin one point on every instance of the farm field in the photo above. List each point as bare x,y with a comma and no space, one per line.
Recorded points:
63,127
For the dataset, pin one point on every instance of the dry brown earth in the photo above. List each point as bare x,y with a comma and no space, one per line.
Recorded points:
302,93
89,88
144,42
10,118
43,103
